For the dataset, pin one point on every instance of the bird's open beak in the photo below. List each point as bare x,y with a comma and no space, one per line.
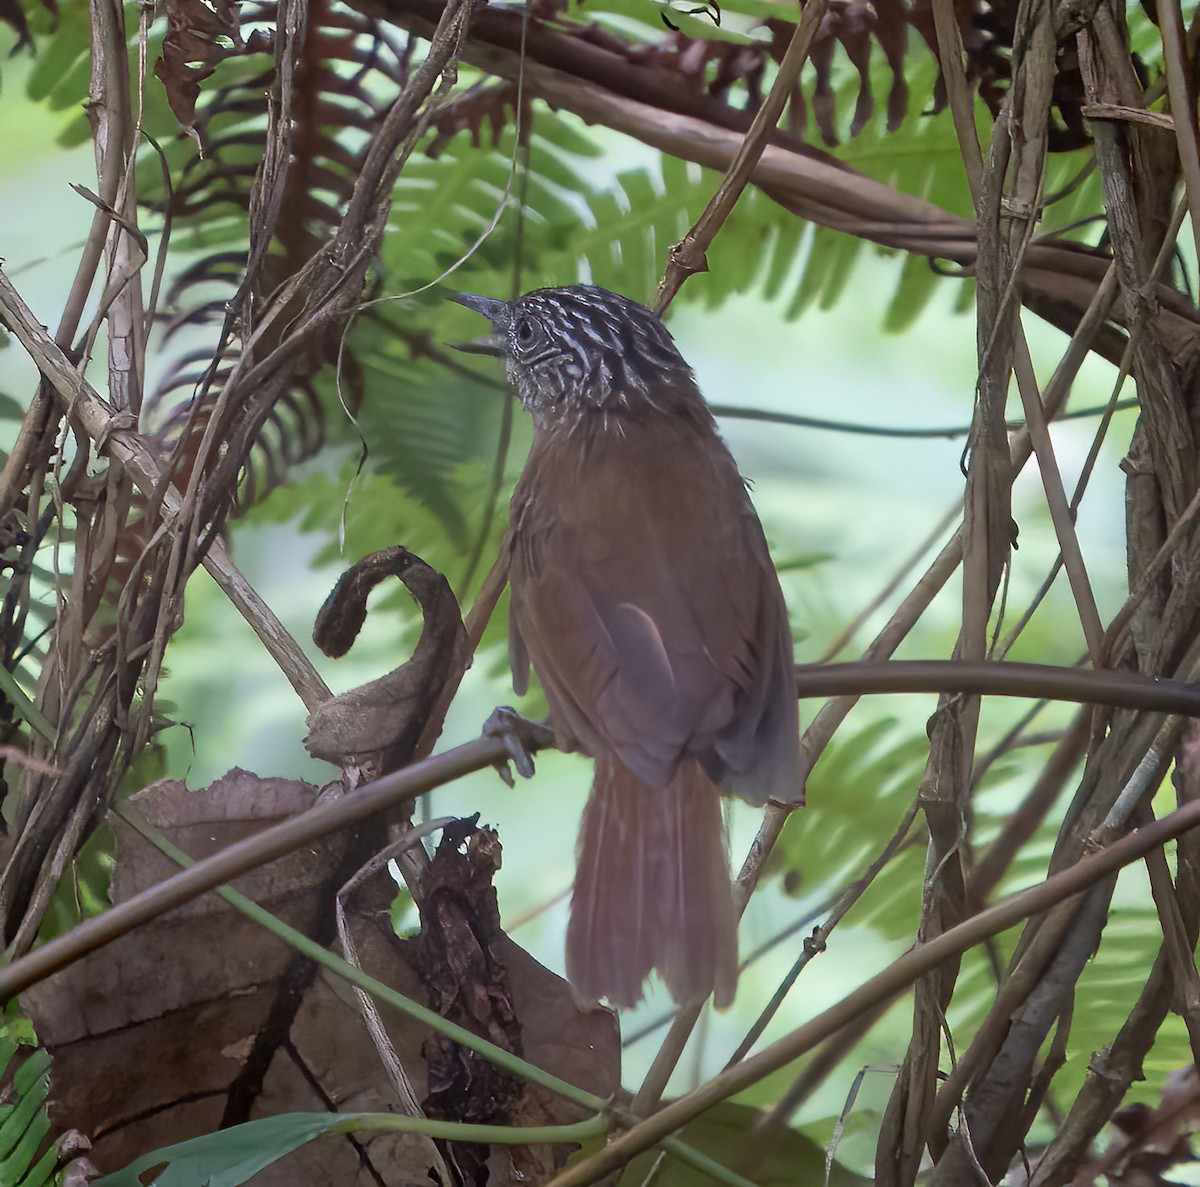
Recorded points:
495,311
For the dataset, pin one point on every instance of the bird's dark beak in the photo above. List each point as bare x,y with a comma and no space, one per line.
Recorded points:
495,311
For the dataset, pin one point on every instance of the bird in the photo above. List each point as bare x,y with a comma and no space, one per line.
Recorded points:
643,594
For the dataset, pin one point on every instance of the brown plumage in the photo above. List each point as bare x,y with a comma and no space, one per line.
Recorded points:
644,597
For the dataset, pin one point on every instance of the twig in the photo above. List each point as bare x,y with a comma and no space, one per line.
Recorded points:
831,715
846,637
114,435
1183,107
958,91
476,623
1176,943
1175,537
1056,501
110,112
899,432
1021,825
15,754
815,944
1129,115
688,256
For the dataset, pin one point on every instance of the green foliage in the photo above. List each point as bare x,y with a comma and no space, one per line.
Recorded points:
63,68
356,513
230,1156
12,692
431,431
23,1121
858,795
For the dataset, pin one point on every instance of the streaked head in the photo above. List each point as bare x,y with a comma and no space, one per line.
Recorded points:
579,349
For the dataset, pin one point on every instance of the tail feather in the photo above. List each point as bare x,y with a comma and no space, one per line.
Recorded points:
652,890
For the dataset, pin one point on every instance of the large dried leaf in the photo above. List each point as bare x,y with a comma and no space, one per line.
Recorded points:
154,1035
202,1019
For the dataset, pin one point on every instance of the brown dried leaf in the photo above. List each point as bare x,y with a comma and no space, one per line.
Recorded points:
202,1019
154,1037
195,44
489,103
379,723
1156,1139
13,15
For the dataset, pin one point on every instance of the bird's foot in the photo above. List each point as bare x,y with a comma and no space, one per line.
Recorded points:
521,737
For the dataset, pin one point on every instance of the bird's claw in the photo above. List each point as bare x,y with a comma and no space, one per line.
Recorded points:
521,737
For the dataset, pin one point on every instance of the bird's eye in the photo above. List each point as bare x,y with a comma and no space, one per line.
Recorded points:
525,331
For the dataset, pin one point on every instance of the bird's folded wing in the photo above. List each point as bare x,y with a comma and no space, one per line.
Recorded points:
644,595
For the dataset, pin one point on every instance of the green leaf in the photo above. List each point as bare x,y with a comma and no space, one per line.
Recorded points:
228,1157
60,75
231,1156
918,282
423,423
25,708
24,1125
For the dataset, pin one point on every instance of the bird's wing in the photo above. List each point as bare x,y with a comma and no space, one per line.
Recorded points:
644,595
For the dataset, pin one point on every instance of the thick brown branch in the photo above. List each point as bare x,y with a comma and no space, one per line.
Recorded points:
1125,690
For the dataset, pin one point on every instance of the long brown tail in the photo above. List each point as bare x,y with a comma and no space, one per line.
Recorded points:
652,890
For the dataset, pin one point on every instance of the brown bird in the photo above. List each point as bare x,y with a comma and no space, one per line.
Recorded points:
645,598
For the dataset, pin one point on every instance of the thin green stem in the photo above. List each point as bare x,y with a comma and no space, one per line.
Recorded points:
489,1135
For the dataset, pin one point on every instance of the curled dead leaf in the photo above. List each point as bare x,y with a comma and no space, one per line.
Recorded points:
379,723
200,35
